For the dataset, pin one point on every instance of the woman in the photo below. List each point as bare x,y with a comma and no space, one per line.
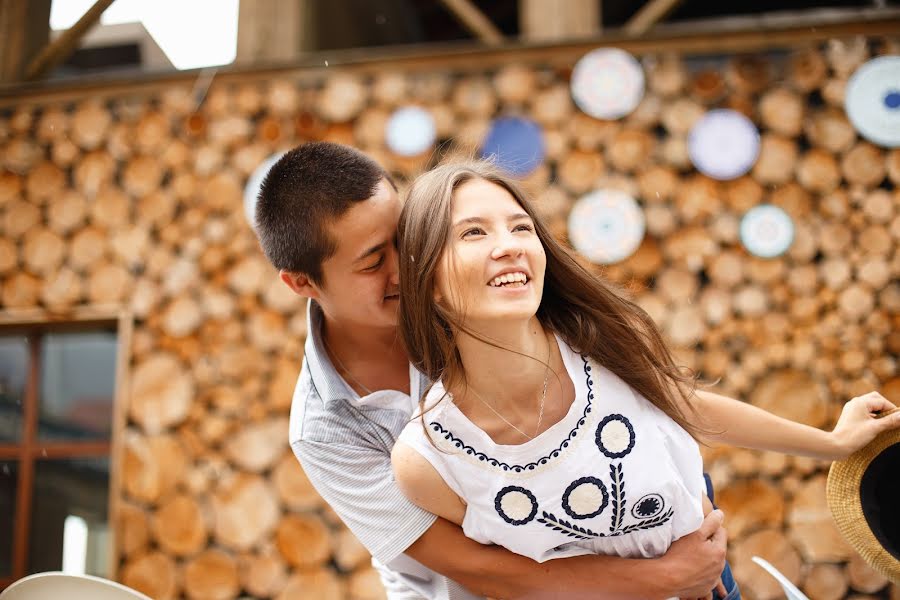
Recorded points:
559,424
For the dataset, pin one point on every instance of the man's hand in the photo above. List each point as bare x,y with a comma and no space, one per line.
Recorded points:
694,563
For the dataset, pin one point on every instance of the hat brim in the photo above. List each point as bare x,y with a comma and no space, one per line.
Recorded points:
845,501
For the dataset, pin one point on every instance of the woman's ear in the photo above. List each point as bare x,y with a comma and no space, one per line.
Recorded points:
300,283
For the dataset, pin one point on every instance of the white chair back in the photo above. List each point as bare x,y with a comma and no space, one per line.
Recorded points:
55,585
790,590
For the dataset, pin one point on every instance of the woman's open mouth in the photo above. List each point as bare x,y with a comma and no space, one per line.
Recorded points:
515,279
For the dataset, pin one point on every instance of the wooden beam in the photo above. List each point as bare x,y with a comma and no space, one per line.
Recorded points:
649,15
24,30
737,36
470,16
274,31
62,47
558,20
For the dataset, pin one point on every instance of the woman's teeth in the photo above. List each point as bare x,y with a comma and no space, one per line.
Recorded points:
510,280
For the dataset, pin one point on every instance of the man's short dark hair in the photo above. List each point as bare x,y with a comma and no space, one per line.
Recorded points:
310,187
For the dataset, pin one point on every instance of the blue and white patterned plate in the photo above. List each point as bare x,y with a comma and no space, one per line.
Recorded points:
607,83
767,231
723,144
515,144
410,131
606,226
872,100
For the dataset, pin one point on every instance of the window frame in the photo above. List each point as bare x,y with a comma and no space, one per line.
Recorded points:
35,324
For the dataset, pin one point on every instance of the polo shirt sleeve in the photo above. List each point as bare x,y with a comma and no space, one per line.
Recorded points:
358,483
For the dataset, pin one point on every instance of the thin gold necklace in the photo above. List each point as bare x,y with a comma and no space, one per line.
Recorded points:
343,368
541,404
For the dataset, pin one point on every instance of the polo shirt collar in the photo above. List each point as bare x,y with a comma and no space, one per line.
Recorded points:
330,385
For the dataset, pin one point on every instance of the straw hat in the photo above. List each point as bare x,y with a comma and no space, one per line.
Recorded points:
864,496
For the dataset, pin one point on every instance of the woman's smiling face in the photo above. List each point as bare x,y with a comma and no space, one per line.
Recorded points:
493,265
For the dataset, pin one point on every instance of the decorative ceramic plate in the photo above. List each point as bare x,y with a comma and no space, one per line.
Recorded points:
606,226
872,100
515,144
607,83
410,131
767,231
723,144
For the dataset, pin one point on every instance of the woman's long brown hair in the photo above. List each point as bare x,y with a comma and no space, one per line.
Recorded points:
577,305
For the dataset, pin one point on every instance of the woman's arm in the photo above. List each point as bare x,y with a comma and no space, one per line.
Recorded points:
741,424
689,569
424,486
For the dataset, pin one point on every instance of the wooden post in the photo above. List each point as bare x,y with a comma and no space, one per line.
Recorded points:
24,30
60,49
556,20
271,31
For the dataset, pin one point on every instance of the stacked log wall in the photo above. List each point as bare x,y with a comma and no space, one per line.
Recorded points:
134,199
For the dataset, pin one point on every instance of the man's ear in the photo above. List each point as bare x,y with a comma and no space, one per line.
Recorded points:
300,283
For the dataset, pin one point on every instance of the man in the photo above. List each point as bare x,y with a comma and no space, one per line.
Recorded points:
326,219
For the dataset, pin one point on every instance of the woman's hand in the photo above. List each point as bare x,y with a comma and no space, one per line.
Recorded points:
859,423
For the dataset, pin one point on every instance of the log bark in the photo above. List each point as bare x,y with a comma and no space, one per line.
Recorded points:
256,447
132,529
772,545
812,527
864,165
161,393
154,574
826,581
303,540
782,111
211,575
245,511
294,489
179,526
262,575
807,70
316,584
152,467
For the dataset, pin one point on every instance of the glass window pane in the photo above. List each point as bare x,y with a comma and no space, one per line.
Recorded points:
13,375
69,516
77,385
9,477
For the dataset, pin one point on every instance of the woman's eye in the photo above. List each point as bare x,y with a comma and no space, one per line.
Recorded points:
523,227
473,231
376,265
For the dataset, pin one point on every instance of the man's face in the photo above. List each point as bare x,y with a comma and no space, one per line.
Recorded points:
360,283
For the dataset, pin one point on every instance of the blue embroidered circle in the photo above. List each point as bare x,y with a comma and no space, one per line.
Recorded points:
515,505
648,507
585,498
615,436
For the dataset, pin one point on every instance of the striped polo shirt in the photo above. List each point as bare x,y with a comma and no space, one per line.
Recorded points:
344,442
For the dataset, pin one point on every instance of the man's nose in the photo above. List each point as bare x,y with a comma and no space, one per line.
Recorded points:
393,266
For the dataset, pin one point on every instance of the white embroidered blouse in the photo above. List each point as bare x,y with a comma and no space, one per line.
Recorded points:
615,476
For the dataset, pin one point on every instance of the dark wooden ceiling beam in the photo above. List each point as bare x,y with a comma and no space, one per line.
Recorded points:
475,21
62,47
649,15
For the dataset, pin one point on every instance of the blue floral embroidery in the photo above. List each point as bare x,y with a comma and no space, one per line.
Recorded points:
585,481
459,443
648,507
511,519
606,428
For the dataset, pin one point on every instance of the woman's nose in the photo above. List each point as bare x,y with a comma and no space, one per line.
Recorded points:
507,245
